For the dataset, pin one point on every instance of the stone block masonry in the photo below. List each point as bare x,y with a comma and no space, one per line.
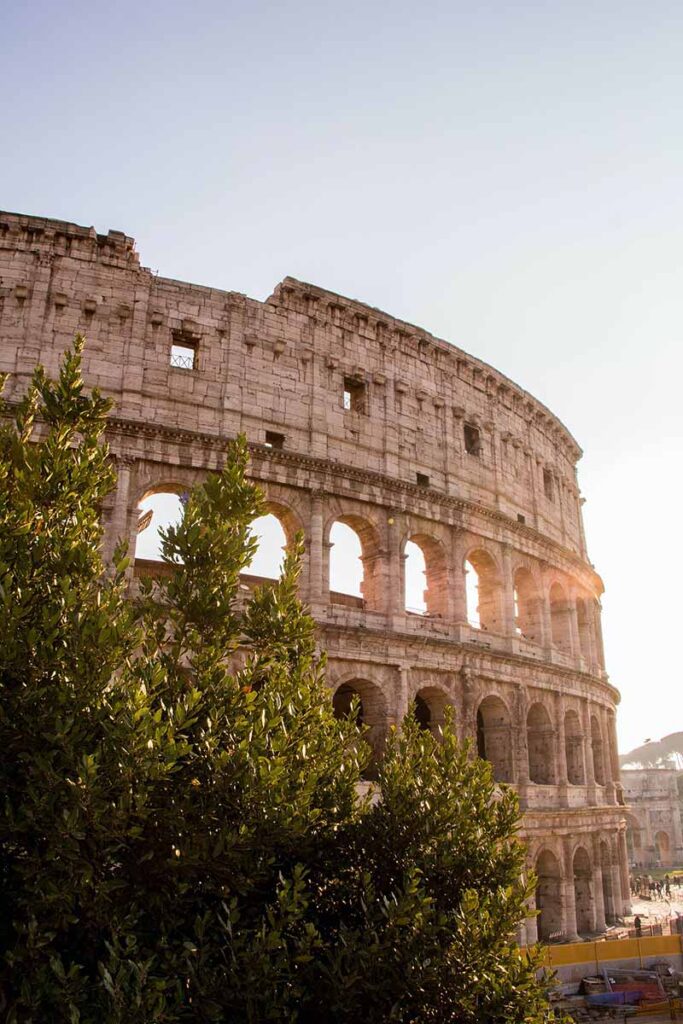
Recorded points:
356,417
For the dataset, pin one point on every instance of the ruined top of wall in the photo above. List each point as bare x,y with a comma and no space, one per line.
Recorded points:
283,366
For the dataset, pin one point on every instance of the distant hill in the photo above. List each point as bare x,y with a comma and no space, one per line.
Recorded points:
664,753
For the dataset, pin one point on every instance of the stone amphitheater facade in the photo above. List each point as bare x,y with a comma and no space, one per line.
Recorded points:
355,416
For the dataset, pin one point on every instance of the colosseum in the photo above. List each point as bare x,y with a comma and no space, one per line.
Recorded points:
427,456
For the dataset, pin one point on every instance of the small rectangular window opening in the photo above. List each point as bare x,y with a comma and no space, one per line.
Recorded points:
274,440
422,480
183,355
472,439
354,395
521,518
548,485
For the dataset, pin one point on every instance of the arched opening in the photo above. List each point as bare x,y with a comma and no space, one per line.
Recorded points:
583,622
272,543
354,569
343,704
528,616
663,848
573,741
559,619
430,707
371,712
482,590
425,577
541,745
583,897
346,562
549,896
415,579
598,752
157,511
494,741
607,889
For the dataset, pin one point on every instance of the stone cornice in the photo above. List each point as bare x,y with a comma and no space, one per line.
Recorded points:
470,652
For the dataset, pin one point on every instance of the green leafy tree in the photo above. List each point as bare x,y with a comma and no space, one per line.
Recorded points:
181,836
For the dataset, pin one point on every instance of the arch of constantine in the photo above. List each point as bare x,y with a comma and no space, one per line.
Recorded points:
357,418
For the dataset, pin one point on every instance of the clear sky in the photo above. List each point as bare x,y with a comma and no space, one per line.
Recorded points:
508,176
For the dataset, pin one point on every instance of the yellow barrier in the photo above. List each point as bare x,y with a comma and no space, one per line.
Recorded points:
612,949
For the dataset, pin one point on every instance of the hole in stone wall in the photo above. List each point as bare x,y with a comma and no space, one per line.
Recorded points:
415,579
274,440
272,542
549,896
166,508
422,479
472,439
541,745
353,398
183,355
482,592
346,564
494,742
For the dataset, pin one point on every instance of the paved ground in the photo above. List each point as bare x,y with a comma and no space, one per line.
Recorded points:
652,911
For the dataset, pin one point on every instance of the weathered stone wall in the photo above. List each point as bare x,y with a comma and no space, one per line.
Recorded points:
436,447
654,830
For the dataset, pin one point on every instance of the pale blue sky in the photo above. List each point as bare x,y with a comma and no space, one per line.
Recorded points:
507,176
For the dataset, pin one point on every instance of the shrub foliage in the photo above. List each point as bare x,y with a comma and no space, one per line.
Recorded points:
181,836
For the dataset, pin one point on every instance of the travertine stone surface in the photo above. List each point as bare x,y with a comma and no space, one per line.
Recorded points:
497,487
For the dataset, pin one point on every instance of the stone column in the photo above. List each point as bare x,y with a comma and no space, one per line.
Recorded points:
623,873
618,898
508,592
521,746
395,570
546,624
588,752
610,789
598,892
317,550
121,526
598,635
459,594
568,893
561,753
573,619
470,695
400,709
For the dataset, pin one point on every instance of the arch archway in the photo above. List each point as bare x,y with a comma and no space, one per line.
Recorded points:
430,707
425,577
371,712
483,592
549,896
541,745
494,739
355,575
160,508
272,543
573,741
583,896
